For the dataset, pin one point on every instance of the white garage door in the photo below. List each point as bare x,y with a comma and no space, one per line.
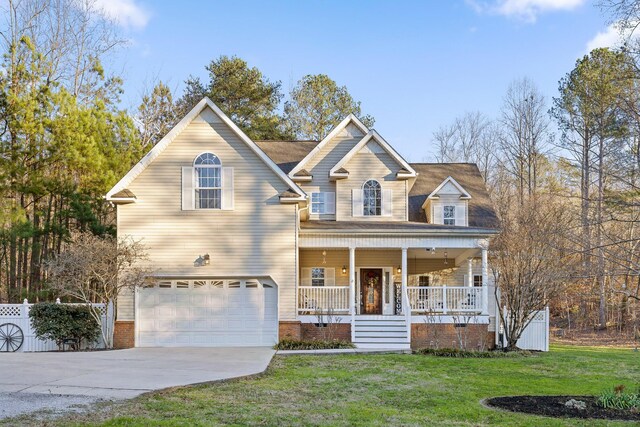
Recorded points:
208,313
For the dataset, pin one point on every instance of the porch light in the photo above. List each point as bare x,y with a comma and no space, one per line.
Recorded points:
207,259
399,270
344,269
433,251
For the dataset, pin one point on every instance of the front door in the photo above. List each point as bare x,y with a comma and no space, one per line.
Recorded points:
371,291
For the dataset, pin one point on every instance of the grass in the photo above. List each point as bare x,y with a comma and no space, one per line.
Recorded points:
381,390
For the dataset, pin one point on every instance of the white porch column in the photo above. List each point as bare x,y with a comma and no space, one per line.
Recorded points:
352,290
405,274
485,281
469,272
352,281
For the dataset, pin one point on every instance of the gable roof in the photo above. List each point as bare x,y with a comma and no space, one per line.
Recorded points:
430,175
373,135
449,179
481,212
342,125
177,129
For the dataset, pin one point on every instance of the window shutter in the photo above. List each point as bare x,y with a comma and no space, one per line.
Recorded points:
227,189
306,277
437,213
461,217
329,276
356,198
387,202
330,203
188,198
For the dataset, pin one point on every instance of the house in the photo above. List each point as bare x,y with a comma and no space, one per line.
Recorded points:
249,241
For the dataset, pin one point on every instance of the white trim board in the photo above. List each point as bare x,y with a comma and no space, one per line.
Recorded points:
372,134
343,124
177,129
434,194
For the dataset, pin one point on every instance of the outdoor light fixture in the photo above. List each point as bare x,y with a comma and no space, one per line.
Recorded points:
399,270
344,269
433,251
207,259
446,260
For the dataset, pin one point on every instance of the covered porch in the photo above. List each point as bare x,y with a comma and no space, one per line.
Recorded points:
393,281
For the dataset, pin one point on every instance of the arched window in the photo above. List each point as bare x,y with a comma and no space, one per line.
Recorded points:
208,185
372,198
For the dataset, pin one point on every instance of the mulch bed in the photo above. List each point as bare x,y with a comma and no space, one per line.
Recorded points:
554,406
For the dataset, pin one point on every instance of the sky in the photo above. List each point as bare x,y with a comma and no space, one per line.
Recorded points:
414,65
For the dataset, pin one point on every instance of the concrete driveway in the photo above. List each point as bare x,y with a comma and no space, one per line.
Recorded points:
121,374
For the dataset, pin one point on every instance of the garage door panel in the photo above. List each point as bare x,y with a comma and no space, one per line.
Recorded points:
208,316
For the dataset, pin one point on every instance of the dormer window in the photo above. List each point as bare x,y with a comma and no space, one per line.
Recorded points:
208,181
372,198
449,215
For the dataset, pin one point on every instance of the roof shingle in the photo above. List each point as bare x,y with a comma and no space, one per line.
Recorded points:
286,154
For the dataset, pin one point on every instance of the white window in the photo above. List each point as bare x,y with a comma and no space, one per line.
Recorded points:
317,203
317,276
323,203
208,181
372,198
449,214
477,280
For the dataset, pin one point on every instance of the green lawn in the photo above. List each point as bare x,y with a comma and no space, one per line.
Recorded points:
391,389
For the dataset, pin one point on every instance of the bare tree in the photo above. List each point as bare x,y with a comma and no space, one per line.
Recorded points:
94,269
525,135
530,260
74,36
471,138
156,114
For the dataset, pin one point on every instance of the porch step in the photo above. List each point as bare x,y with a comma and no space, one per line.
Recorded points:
386,346
381,332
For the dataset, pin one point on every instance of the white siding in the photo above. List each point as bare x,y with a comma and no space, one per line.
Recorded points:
320,165
362,167
256,238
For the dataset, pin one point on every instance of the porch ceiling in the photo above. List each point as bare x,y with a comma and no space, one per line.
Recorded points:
412,253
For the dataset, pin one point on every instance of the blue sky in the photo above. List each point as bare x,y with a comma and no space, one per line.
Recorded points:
414,65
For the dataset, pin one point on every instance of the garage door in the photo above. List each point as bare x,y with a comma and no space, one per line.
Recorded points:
208,313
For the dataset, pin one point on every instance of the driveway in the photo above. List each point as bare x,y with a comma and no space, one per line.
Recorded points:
117,374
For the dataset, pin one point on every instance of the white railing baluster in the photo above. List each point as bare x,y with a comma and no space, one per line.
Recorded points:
445,299
313,298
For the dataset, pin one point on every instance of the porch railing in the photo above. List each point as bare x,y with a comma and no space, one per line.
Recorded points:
445,299
313,299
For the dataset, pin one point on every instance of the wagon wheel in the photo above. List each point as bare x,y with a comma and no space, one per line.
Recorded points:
11,337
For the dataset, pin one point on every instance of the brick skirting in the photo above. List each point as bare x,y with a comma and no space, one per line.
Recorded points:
339,331
445,335
289,329
124,334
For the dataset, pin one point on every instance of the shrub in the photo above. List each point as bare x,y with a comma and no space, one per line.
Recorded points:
454,352
618,398
289,344
59,322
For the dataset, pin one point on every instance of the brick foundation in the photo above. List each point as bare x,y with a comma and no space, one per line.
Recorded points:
289,330
340,332
445,335
124,335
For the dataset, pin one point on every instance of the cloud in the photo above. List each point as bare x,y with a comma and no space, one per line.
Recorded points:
612,36
526,10
125,13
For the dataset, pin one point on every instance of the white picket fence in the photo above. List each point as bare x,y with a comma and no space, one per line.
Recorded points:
18,314
536,334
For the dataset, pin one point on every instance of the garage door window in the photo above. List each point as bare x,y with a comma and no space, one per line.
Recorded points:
198,284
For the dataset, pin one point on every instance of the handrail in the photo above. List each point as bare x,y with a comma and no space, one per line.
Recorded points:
446,299
314,298
406,311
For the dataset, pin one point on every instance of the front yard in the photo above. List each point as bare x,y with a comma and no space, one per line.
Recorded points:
381,390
